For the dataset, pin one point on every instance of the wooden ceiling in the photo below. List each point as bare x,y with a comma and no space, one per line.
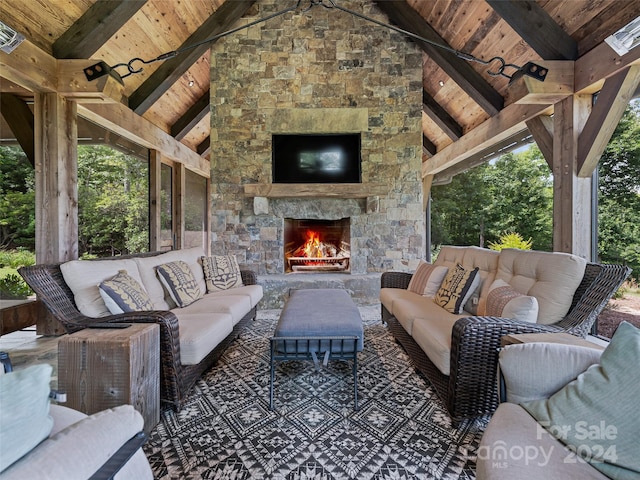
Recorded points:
459,96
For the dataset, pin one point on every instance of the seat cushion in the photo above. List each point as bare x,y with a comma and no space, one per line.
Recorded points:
515,447
235,305
254,292
200,333
432,333
551,277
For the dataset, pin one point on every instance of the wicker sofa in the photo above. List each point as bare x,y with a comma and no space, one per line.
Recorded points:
191,338
459,353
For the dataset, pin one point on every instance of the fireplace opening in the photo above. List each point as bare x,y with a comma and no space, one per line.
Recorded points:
315,246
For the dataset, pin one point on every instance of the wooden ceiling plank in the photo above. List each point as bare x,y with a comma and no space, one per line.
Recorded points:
611,103
124,122
496,129
541,128
19,117
103,19
172,69
441,117
403,15
192,117
537,28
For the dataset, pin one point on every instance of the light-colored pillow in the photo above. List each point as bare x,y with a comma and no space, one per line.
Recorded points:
427,279
123,293
24,412
504,301
458,285
596,415
221,272
536,370
179,281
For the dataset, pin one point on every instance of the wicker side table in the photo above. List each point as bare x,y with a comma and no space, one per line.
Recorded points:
104,368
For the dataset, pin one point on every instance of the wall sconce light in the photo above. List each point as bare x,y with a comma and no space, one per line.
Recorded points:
9,38
531,69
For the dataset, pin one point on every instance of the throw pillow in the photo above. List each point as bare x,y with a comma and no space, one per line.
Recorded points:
427,279
457,287
24,416
179,281
221,272
122,293
504,301
596,415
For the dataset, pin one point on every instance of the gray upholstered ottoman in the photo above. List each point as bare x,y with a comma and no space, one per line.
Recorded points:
316,324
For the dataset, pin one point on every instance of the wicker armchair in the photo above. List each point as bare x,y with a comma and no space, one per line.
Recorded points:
470,390
176,379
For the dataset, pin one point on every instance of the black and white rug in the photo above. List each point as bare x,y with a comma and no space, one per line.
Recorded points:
226,431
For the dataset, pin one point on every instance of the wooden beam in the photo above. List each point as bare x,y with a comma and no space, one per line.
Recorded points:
192,117
557,86
97,25
72,83
155,195
611,103
204,147
441,117
19,117
541,128
460,71
537,28
602,62
302,190
30,67
119,119
508,122
426,191
171,70
428,147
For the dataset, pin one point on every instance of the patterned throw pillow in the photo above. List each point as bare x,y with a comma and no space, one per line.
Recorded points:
427,279
504,301
221,272
457,287
122,293
179,281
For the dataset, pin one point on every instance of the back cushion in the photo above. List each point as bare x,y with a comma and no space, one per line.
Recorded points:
84,276
150,281
551,277
471,257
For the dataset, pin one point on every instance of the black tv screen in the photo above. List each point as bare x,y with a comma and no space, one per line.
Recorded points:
316,158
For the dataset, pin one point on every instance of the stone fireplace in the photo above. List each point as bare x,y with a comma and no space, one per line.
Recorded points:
321,72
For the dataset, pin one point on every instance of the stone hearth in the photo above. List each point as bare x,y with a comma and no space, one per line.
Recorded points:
320,72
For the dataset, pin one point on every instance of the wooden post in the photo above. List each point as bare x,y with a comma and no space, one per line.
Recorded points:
179,188
155,192
571,194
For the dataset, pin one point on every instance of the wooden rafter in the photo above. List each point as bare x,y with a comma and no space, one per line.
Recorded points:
542,130
441,117
19,117
171,70
470,81
192,117
428,148
537,28
98,24
204,147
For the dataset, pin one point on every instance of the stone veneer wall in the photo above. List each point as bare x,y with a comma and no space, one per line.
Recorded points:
307,73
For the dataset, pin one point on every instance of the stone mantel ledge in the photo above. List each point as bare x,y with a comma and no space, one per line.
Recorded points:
315,190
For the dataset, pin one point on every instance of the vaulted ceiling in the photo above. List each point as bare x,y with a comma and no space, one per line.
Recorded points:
459,96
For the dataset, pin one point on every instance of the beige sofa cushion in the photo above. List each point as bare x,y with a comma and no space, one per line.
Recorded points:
471,257
254,292
515,447
151,283
200,333
551,277
235,305
432,331
84,276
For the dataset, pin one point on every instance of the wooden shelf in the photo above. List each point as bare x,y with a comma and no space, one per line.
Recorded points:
302,190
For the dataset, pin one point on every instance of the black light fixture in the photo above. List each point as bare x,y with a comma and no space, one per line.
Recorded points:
530,69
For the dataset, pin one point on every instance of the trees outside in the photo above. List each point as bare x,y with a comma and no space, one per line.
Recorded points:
17,200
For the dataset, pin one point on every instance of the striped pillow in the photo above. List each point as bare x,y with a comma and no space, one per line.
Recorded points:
427,279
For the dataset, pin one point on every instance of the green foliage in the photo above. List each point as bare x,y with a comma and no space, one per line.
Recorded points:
16,258
511,240
12,285
17,199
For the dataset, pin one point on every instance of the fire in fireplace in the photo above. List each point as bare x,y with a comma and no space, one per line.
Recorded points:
317,245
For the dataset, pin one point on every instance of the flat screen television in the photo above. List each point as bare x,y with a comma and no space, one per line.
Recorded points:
330,158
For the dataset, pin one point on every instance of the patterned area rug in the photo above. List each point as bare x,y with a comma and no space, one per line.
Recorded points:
226,431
